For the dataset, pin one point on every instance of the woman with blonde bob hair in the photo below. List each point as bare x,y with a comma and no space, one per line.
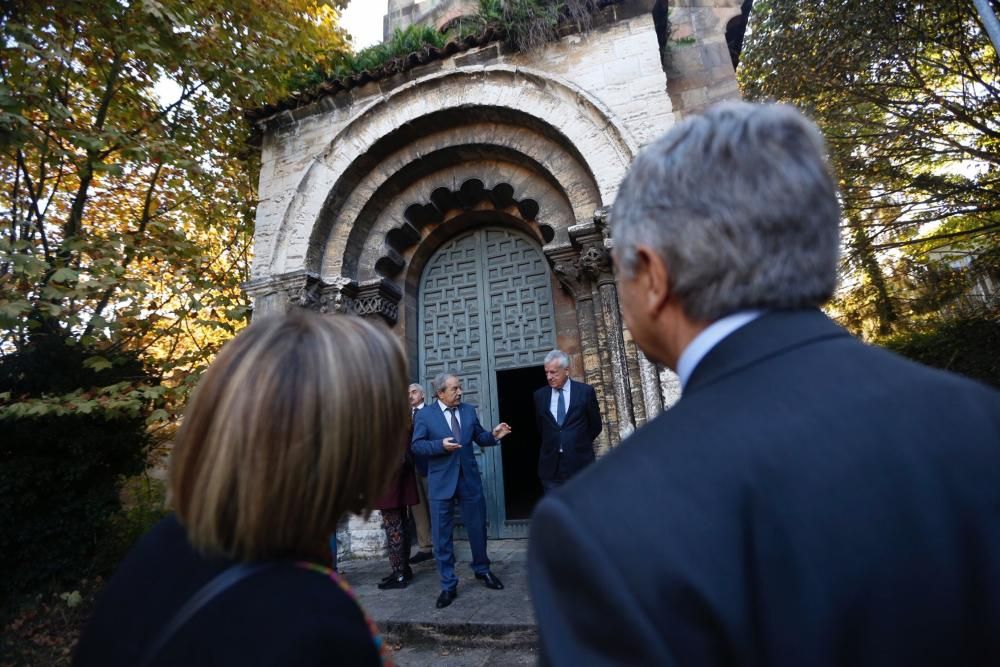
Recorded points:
300,419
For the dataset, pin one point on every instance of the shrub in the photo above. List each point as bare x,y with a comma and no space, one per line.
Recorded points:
60,474
143,505
966,346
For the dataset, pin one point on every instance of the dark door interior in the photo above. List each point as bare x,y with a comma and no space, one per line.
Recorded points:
520,449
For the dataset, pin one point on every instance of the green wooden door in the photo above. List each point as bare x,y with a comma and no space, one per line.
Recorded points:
486,306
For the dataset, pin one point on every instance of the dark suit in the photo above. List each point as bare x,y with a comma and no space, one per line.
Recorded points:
810,500
453,476
575,438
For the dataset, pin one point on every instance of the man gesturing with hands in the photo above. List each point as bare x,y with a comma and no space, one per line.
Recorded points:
444,432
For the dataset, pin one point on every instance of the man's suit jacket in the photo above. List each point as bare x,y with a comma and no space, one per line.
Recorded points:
810,500
576,435
430,428
419,461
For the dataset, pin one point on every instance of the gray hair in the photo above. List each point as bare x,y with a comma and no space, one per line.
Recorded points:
557,355
439,381
416,386
741,205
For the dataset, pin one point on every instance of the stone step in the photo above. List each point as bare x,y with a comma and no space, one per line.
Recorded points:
478,618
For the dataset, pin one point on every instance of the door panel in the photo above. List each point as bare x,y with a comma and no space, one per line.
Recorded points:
486,306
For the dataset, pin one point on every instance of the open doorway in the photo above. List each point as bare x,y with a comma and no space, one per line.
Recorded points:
521,486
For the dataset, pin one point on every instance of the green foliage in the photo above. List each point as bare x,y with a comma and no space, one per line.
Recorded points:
60,473
126,218
525,24
399,45
907,95
126,215
966,346
144,503
530,24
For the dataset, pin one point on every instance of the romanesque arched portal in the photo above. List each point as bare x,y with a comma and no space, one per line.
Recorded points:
369,183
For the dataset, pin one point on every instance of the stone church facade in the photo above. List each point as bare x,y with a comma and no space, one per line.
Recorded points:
463,200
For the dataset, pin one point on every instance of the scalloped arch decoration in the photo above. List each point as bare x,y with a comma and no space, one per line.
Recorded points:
472,194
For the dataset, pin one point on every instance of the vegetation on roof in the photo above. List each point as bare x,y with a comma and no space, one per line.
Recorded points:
524,25
530,24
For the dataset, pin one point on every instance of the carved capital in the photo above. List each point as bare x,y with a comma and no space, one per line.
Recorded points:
325,297
283,285
565,261
595,247
601,219
334,295
596,262
379,297
273,295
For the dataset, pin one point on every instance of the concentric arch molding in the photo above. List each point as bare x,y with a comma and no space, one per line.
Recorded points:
580,122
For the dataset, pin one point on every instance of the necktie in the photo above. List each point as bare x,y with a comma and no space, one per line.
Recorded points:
413,414
560,408
456,431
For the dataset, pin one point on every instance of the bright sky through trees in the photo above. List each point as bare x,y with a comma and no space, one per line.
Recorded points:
363,20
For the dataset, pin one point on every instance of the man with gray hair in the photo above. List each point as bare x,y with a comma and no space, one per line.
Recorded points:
445,432
568,420
810,500
420,511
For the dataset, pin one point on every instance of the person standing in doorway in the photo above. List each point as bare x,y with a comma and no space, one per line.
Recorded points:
420,511
445,433
568,420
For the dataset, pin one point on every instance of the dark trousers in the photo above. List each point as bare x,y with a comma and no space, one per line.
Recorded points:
559,477
472,505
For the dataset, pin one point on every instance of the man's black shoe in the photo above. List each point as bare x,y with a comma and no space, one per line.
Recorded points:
491,581
394,581
445,599
421,557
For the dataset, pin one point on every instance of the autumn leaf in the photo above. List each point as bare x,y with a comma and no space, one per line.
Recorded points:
97,363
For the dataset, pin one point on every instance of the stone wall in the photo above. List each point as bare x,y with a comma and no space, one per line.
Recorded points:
361,538
404,13
701,67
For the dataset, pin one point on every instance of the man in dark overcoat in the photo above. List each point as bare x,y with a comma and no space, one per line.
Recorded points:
568,420
810,500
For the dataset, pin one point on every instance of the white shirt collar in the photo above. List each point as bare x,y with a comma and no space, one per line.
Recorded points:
708,338
445,408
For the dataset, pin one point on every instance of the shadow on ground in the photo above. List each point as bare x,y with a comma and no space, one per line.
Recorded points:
481,627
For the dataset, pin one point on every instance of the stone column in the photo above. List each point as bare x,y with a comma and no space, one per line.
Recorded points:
595,261
651,389
632,355
671,387
565,263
